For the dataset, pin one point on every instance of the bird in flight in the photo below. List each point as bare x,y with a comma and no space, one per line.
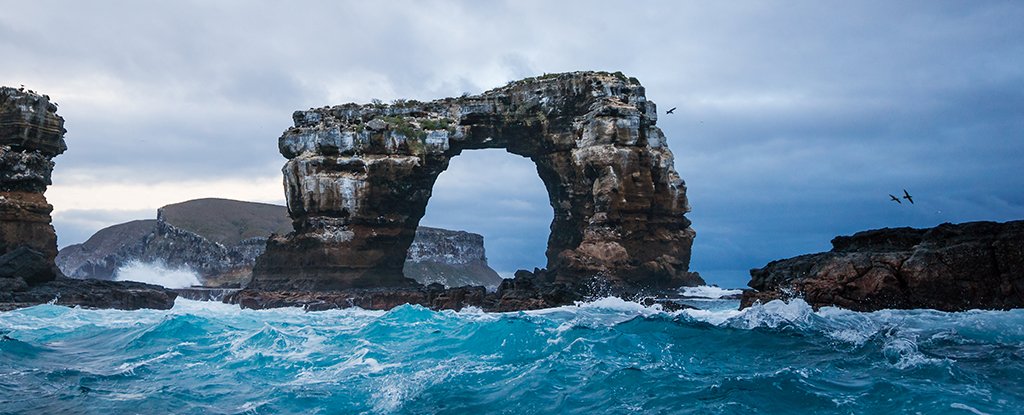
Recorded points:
907,196
895,199
671,110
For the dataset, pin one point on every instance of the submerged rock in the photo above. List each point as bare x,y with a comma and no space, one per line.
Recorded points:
358,178
976,265
220,239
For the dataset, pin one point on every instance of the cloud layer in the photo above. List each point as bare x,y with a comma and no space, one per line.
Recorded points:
795,119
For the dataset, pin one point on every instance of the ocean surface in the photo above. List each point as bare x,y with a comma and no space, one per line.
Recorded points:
608,356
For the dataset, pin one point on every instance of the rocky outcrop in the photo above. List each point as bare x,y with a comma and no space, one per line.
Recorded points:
220,239
31,135
949,267
358,178
25,280
123,295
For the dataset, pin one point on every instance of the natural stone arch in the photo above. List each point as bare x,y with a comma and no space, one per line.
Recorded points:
358,179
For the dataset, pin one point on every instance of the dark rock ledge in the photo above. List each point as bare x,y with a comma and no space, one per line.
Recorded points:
527,291
975,265
122,295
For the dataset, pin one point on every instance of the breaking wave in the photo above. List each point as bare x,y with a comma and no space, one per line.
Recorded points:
708,291
604,356
157,273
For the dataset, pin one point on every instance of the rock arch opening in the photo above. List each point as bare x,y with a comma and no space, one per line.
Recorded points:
358,178
499,196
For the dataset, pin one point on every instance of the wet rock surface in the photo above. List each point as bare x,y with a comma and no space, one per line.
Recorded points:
528,291
952,267
123,295
358,178
31,135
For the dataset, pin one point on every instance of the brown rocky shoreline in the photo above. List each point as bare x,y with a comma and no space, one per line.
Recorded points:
951,267
527,291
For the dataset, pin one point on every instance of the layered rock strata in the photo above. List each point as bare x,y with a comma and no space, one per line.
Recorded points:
220,239
449,258
358,179
31,135
949,267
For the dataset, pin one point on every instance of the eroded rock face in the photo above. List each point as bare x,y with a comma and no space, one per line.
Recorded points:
31,135
949,267
449,258
358,179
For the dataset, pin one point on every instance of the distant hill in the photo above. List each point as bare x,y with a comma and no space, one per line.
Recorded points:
225,221
220,239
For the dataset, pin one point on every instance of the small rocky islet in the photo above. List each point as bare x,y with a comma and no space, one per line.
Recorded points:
357,181
951,267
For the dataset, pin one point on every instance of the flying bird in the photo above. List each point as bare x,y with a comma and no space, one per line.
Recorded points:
671,110
895,199
907,196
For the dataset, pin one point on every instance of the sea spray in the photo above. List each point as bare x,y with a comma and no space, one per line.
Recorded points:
605,356
157,273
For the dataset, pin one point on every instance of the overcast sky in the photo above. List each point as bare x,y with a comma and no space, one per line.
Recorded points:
795,120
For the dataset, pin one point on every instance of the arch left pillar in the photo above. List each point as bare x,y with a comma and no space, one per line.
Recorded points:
354,220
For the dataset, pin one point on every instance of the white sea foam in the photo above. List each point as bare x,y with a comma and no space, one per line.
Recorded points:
957,405
157,273
129,367
707,291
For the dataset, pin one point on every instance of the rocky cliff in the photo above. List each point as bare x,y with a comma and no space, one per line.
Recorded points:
358,178
949,267
106,250
220,239
217,238
31,135
450,258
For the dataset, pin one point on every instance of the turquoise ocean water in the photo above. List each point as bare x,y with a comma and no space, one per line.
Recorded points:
605,356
